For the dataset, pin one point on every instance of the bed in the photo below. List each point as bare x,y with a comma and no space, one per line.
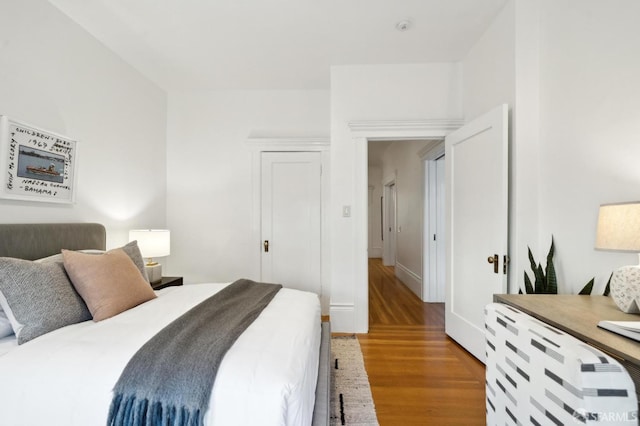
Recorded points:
276,372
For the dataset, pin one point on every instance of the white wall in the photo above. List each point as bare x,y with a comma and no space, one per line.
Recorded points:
589,128
489,81
489,67
55,76
575,121
375,212
209,166
372,92
402,160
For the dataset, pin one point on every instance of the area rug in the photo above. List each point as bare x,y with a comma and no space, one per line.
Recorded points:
351,401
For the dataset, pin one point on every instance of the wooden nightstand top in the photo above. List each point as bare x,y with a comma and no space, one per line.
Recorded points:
167,282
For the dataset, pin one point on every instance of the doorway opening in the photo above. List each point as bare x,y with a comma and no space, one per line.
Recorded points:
406,212
362,133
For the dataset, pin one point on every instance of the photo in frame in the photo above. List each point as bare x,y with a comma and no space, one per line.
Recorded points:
36,164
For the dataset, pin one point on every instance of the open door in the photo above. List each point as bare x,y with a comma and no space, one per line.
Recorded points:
477,226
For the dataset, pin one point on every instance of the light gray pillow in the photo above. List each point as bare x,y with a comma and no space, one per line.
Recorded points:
38,297
132,250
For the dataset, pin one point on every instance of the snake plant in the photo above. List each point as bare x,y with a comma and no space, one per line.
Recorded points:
546,281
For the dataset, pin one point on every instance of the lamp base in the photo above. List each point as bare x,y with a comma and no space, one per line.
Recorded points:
154,272
625,288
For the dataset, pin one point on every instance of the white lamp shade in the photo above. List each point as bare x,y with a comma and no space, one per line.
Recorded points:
619,227
152,242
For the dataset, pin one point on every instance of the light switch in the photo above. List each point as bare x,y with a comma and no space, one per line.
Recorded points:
346,211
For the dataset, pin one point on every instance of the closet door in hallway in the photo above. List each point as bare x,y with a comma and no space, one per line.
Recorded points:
290,219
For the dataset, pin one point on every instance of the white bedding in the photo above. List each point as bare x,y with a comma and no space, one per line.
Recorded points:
7,344
268,377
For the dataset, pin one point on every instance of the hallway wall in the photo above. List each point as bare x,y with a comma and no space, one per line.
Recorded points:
401,160
375,212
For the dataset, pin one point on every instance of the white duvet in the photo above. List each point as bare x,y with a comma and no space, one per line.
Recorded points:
268,377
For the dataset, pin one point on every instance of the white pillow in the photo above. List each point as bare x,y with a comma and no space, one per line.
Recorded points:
5,325
58,257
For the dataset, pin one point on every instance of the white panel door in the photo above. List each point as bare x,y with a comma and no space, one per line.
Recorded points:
435,237
389,251
290,197
477,228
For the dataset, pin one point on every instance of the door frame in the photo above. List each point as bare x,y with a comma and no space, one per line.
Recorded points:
429,155
259,145
361,133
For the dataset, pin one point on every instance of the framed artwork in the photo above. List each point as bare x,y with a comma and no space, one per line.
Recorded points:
36,164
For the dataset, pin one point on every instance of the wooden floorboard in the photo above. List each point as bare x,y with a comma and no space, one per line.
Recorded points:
418,375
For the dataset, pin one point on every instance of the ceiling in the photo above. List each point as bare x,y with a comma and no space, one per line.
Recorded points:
276,44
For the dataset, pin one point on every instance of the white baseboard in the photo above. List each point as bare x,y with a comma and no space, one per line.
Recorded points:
375,252
409,278
342,317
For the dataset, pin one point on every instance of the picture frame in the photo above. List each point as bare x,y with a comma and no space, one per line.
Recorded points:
36,164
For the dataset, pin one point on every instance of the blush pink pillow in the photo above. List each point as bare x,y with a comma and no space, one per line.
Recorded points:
109,283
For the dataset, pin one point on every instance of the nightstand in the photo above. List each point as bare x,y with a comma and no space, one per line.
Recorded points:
167,282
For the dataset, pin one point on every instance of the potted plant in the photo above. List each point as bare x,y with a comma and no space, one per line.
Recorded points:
546,281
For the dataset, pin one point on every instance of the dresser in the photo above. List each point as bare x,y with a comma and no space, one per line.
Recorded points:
579,317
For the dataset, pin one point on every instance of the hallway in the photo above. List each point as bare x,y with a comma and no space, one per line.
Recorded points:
418,375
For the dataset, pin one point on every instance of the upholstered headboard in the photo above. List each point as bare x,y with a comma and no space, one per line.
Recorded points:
36,240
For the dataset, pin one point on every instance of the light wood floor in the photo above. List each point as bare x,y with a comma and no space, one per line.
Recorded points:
418,375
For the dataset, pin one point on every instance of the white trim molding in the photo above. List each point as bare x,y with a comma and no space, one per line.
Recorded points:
409,278
290,144
375,253
432,151
342,316
404,129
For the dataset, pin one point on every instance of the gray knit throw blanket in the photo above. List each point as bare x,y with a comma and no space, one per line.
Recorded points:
169,380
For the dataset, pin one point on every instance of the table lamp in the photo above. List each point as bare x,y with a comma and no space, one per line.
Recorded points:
152,243
619,230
